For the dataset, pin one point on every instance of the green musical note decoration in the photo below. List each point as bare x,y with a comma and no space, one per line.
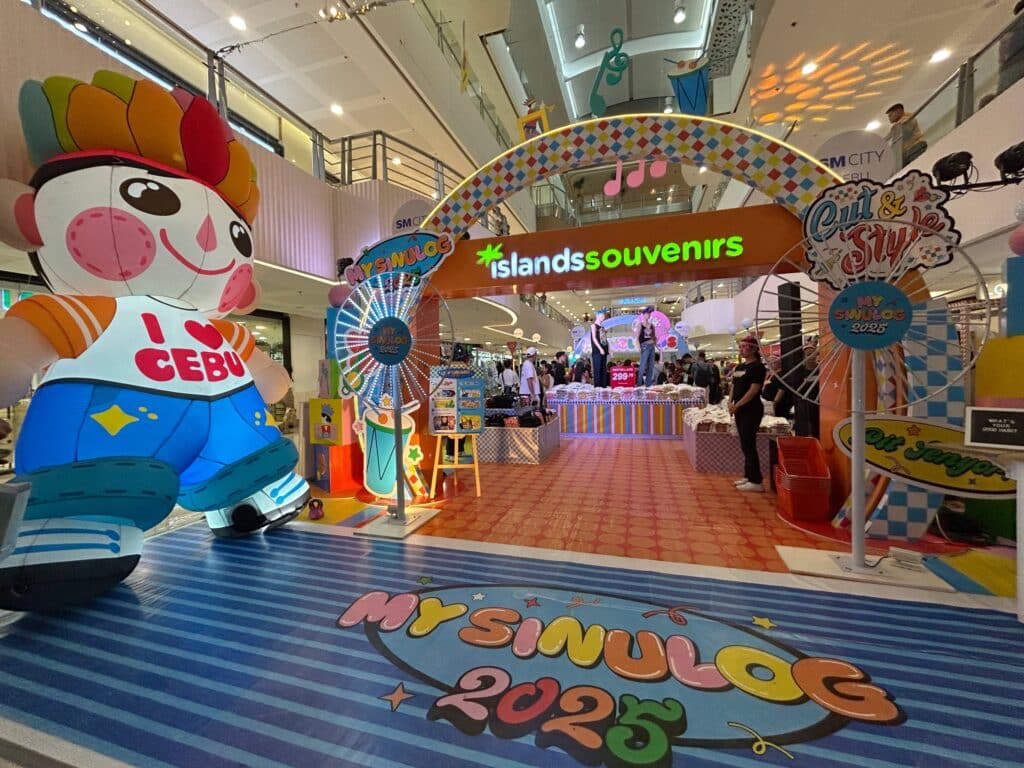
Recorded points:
613,65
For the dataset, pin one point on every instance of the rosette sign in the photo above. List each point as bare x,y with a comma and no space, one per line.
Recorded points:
385,364
883,262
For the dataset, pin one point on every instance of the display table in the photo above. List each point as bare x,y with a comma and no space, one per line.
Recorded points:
636,418
518,445
719,452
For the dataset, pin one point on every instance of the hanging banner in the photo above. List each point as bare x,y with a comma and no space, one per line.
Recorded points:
928,454
418,253
855,234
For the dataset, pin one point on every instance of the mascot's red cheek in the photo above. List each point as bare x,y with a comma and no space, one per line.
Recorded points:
25,217
110,243
238,290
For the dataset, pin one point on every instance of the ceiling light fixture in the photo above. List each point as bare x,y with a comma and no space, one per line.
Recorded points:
581,38
396,160
238,23
668,105
809,68
703,169
679,15
874,125
336,109
81,27
940,55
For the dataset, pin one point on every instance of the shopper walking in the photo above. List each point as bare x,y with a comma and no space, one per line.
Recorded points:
645,340
599,350
746,406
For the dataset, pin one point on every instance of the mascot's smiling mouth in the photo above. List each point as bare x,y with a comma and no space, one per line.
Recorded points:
198,270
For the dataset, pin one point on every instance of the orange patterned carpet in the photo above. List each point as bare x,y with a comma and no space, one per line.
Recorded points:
628,497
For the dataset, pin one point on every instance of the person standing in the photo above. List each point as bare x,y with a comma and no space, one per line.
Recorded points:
508,379
746,406
774,391
529,382
804,380
700,374
599,350
905,133
645,340
558,369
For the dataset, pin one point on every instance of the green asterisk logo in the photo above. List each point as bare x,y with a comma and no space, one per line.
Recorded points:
491,253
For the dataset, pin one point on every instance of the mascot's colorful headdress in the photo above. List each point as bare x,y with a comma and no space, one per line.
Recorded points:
176,129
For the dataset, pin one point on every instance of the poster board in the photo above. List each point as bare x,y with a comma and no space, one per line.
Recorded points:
457,405
326,420
999,428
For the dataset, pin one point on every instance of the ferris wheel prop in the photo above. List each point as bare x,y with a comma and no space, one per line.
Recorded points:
385,364
875,262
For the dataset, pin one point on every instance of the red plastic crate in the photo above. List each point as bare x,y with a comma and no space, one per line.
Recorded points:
803,480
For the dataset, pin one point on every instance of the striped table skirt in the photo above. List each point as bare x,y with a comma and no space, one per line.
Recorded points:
637,419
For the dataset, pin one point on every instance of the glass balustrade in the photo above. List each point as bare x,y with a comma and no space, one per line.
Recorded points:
972,86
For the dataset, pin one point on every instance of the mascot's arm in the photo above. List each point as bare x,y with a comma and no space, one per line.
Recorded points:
271,379
42,329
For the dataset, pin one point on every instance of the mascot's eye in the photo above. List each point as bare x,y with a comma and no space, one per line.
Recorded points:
150,196
240,237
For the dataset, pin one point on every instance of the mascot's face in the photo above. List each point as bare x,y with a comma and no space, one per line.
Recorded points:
118,230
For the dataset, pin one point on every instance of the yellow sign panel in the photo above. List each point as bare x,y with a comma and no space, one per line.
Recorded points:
927,454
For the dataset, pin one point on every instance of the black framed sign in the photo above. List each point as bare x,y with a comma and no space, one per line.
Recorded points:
995,428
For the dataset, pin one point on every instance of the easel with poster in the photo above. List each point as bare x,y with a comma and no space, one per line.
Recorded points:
456,413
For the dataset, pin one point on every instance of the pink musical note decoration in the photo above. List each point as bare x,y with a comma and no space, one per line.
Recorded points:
636,176
612,187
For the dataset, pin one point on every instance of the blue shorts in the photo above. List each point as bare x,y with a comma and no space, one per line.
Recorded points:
76,421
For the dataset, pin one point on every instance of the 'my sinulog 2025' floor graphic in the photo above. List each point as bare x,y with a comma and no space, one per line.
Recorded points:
305,649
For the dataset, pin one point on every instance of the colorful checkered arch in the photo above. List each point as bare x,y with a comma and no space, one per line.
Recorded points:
783,173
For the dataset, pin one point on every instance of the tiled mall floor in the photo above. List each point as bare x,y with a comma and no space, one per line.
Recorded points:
630,497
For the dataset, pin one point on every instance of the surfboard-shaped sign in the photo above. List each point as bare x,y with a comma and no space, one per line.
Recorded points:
929,454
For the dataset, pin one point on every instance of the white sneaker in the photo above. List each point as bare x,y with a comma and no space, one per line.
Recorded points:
740,482
751,487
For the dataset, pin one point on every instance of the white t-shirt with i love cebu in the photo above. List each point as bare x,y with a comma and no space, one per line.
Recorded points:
152,344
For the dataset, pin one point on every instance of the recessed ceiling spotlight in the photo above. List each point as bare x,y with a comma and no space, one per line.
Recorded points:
396,160
581,38
238,23
703,169
679,15
874,125
336,109
940,55
809,68
127,42
466,338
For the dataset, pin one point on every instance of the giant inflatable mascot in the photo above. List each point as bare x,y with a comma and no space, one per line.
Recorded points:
138,219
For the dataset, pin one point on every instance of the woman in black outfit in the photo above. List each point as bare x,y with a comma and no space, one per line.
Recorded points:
745,404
